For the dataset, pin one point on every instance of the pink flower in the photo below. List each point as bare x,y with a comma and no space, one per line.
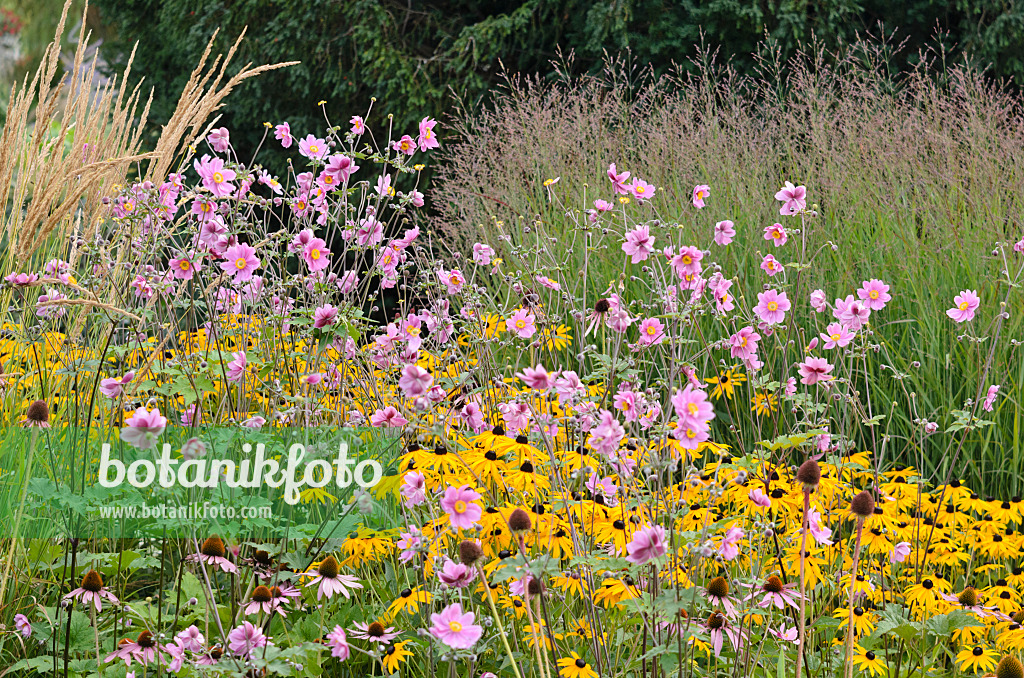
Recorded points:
316,255
728,549
699,193
216,178
324,315
813,370
388,416
456,575
142,428
220,139
454,628
414,488
687,262
184,266
358,125
837,335
900,552
649,542
990,397
415,381
851,312
313,148
771,306
482,254
776,234
237,367
639,244
460,505
113,387
618,180
370,232
338,642
522,323
341,167
21,279
641,190
793,199
427,139
818,301
652,332
536,378
91,592
724,232
240,262
771,266
967,302
692,406
329,582
245,638
822,535
875,294
405,145
775,593
743,344
759,498
283,133
22,625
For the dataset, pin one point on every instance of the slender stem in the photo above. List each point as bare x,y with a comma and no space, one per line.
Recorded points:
497,620
803,600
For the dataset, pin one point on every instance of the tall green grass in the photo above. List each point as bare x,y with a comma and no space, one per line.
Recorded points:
914,176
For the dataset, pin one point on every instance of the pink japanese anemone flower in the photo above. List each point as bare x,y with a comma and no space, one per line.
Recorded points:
455,628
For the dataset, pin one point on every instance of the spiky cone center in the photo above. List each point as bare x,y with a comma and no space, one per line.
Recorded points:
214,547
470,552
718,587
773,584
328,567
968,598
519,521
1019,616
145,639
535,587
92,581
602,306
38,412
262,595
1009,667
809,475
375,629
263,558
276,592
716,620
863,504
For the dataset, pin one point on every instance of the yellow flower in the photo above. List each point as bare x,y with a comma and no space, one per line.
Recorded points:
977,658
574,666
394,655
764,403
409,600
725,382
870,662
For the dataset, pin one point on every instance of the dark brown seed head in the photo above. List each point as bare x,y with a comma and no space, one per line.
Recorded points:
214,547
470,552
602,306
92,581
38,412
262,595
535,586
968,598
1009,667
863,504
145,639
809,474
1019,616
262,557
773,584
328,567
275,592
375,629
716,620
718,587
519,521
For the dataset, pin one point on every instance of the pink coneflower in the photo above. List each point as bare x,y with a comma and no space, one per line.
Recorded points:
793,199
216,177
851,312
375,632
460,505
618,180
875,294
649,542
456,575
639,244
113,387
652,332
261,601
522,323
836,335
329,581
313,148
814,370
771,306
776,234
92,591
212,552
774,593
771,266
237,367
143,427
454,628
969,600
143,650
427,139
967,302
388,416
641,190
415,381
719,628
724,232
283,133
717,593
240,262
242,640
743,344
990,397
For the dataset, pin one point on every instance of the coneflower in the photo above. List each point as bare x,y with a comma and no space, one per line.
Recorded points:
212,552
1009,667
91,590
38,414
